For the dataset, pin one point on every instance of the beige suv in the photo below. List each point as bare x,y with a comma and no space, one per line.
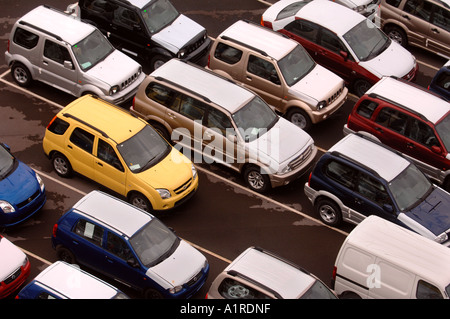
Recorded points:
280,70
421,23
215,118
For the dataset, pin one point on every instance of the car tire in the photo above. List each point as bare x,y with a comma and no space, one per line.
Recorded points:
256,180
329,213
61,165
21,74
396,34
157,61
152,294
140,201
299,118
65,255
162,131
361,86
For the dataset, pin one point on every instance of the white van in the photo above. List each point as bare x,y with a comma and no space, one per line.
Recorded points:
382,260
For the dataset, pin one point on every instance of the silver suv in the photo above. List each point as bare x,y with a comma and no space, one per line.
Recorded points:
52,47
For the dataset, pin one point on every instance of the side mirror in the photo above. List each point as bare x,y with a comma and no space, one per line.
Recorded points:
344,55
133,263
436,149
388,208
68,65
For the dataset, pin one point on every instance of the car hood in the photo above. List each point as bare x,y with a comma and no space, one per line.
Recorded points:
11,258
395,60
280,144
19,185
180,267
114,69
178,34
317,85
170,173
433,213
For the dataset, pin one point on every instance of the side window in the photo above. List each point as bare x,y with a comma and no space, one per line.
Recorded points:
56,52
304,29
192,108
263,69
441,18
227,53
341,173
82,139
372,189
25,38
118,246
419,8
233,289
58,126
106,153
392,119
394,3
426,290
100,7
89,231
126,17
366,108
422,133
443,81
163,95
217,119
330,41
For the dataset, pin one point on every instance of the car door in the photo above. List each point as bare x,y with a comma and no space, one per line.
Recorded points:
57,67
416,17
109,169
78,150
439,32
390,127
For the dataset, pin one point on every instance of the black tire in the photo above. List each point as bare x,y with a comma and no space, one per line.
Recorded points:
162,131
157,61
396,34
329,212
66,255
152,294
256,180
61,165
349,295
21,74
299,118
360,87
140,201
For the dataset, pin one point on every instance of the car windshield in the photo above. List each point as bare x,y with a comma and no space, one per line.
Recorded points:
6,162
443,130
296,65
154,242
410,187
366,40
291,9
158,15
318,291
92,50
254,119
144,150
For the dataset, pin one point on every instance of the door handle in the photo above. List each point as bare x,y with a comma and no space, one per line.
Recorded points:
172,116
406,17
44,62
435,30
379,129
99,164
69,146
410,145
358,201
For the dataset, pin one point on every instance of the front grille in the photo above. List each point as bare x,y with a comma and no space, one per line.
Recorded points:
28,200
197,43
410,75
130,80
334,96
302,158
13,276
195,279
183,187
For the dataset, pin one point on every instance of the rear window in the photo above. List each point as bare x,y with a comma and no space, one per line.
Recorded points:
58,126
25,38
366,108
227,53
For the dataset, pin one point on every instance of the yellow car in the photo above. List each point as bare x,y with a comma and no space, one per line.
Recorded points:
121,152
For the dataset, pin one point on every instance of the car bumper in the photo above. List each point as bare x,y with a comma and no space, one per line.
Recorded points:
180,199
127,94
25,212
21,275
323,114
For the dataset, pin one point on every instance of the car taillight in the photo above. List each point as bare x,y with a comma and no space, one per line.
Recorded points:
309,179
209,59
134,100
333,278
55,228
7,48
266,24
53,119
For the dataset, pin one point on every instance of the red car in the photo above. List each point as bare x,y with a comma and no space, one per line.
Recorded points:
14,267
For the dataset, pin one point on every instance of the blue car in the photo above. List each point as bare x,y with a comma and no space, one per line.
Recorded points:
22,191
129,245
440,84
359,177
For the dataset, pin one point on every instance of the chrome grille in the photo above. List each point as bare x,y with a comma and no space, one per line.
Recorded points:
130,80
13,276
302,158
183,187
191,47
334,96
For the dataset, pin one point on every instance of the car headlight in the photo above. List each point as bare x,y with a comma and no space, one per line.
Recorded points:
6,207
164,193
321,105
41,182
181,54
25,261
286,170
194,171
176,289
114,90
441,238
360,8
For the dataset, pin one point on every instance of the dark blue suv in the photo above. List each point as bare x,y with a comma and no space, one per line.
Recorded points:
440,84
359,177
129,245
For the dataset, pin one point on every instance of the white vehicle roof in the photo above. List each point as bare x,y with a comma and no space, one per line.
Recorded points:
376,157
420,101
113,212
74,283
220,91
402,247
58,23
274,44
11,256
139,3
287,280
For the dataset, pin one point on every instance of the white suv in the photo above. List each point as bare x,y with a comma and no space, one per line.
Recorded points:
52,47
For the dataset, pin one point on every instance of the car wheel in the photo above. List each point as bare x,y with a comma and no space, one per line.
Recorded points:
157,61
66,255
329,212
140,201
21,74
256,180
161,130
396,34
361,86
299,118
61,165
152,294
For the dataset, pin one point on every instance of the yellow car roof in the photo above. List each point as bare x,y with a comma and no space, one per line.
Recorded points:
110,120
